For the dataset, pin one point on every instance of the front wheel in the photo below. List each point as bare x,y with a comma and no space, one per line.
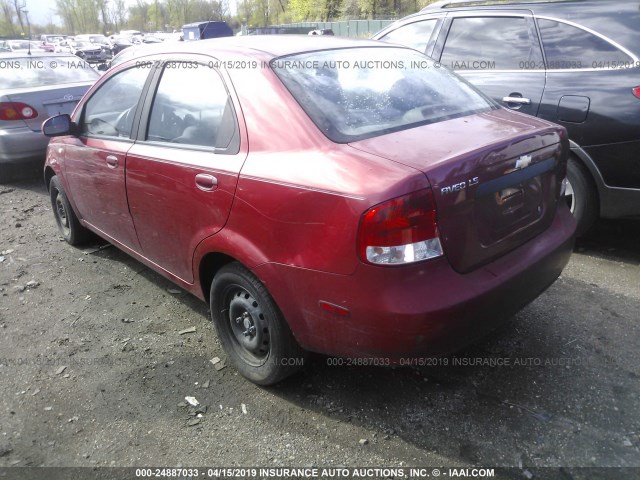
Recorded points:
581,196
68,224
251,328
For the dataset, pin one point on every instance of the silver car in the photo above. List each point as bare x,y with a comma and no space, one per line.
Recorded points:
32,89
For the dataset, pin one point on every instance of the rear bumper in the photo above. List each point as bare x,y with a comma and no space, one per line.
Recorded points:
424,309
21,145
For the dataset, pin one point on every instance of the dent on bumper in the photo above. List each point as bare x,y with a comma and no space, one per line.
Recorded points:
424,309
22,144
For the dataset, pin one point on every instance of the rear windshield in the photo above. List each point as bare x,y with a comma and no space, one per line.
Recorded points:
43,71
358,93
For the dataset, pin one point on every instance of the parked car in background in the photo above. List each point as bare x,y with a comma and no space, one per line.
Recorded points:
131,52
20,46
576,63
63,46
385,211
204,30
151,39
33,88
49,41
119,43
89,52
322,31
98,40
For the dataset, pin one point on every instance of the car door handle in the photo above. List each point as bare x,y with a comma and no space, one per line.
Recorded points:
206,182
517,100
112,161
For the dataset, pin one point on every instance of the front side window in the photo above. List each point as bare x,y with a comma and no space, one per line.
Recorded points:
110,110
490,43
192,107
568,47
357,93
414,35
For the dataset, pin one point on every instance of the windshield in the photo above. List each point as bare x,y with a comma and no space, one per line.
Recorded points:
43,71
358,93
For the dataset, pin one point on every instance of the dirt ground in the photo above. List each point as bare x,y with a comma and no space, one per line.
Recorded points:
95,368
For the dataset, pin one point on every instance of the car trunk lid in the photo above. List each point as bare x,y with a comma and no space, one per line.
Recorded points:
495,176
48,101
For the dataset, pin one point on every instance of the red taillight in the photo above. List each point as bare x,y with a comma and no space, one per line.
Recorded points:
401,230
636,92
17,111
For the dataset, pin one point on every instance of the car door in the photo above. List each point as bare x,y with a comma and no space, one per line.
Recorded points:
590,82
95,160
498,53
183,170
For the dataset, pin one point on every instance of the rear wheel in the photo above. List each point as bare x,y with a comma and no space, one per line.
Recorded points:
68,224
581,196
251,328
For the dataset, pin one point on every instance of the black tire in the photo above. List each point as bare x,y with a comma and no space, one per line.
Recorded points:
251,328
5,174
581,196
68,224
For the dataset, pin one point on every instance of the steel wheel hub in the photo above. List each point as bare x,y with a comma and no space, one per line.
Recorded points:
62,213
249,326
569,197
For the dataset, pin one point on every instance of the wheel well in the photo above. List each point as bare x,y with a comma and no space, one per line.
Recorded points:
584,160
48,175
209,266
585,168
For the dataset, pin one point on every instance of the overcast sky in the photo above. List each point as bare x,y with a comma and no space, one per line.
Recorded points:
41,11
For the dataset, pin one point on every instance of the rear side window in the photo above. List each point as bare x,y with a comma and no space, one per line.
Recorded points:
192,107
567,46
490,43
414,35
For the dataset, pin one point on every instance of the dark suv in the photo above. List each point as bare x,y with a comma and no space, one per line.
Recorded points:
575,63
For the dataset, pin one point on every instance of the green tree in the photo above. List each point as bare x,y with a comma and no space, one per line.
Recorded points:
7,26
139,16
117,15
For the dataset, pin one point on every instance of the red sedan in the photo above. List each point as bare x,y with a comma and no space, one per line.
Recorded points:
339,196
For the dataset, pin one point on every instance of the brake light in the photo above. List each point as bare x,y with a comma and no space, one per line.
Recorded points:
636,92
400,231
17,111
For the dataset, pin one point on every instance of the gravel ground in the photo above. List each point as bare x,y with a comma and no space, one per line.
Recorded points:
95,367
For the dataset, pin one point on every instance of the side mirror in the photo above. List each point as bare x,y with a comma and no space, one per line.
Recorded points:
57,126
103,67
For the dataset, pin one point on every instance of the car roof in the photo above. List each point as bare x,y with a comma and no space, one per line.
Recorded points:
537,4
260,45
617,20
